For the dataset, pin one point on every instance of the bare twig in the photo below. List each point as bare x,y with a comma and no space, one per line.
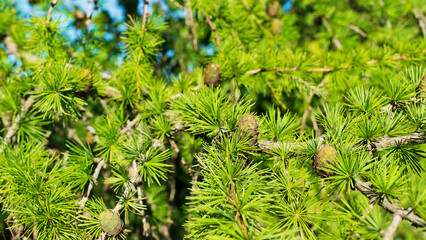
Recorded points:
146,226
415,138
335,39
408,214
309,108
49,13
24,110
128,190
282,105
422,20
178,95
314,123
328,69
177,4
90,11
388,234
145,14
213,29
90,187
189,19
129,125
358,30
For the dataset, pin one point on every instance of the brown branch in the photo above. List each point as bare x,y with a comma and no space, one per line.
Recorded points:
335,39
327,69
178,95
422,20
282,105
305,114
49,13
414,138
89,14
309,108
315,124
144,16
365,188
213,29
177,4
90,187
146,226
24,110
189,19
358,30
130,124
128,190
388,234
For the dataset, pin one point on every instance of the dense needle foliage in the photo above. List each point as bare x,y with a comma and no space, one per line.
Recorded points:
213,119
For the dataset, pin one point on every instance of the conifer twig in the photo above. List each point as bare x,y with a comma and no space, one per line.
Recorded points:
90,13
177,4
24,110
130,125
90,187
328,69
189,18
49,13
335,39
414,138
358,30
145,14
213,29
422,20
408,214
282,105
127,191
396,220
309,108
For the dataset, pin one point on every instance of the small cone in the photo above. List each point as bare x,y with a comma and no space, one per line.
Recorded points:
249,126
212,74
276,26
110,222
273,9
326,154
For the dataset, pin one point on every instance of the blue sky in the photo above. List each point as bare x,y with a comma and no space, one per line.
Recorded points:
113,8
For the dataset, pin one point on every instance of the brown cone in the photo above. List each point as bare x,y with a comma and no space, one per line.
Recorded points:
249,125
212,74
110,222
326,154
273,9
276,26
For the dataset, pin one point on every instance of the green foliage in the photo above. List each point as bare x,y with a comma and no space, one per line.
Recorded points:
226,119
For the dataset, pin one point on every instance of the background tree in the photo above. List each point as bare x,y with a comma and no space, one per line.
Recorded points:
212,119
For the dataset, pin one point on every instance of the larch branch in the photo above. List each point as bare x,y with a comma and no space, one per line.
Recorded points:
396,220
408,214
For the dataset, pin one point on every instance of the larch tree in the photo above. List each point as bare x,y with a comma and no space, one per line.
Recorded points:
213,119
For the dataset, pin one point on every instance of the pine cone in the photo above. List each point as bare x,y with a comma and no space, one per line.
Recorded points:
212,74
276,26
111,222
326,154
273,9
249,126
